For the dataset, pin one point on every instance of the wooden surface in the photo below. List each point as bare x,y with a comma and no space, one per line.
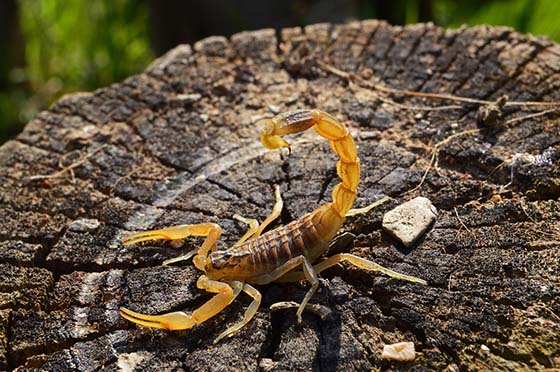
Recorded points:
179,144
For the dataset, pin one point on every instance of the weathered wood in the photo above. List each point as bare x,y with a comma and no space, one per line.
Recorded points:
178,144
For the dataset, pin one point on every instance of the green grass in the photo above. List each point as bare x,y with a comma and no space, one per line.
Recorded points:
72,46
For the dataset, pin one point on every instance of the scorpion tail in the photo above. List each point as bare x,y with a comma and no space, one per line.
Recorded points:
348,167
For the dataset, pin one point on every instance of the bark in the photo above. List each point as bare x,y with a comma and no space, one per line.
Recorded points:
179,144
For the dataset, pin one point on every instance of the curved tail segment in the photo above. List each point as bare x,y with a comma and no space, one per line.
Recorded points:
348,167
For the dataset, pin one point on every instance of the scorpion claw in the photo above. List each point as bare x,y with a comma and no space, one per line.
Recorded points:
173,233
144,236
172,321
128,315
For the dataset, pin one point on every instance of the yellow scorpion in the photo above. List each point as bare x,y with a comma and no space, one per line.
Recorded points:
284,254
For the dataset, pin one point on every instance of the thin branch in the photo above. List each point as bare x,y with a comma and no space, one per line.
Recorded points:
453,136
432,159
461,221
529,116
69,168
441,96
435,153
126,176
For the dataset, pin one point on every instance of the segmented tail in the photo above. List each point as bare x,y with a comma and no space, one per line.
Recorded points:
348,167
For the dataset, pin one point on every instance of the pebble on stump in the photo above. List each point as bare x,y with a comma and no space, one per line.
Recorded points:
401,352
409,221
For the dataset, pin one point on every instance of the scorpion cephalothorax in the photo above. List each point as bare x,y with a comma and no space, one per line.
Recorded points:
277,254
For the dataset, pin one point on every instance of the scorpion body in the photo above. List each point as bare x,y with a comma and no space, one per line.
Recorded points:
275,255
253,260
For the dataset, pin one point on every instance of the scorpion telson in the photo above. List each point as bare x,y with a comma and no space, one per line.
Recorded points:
284,254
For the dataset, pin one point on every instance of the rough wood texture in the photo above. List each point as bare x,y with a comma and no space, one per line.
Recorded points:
178,144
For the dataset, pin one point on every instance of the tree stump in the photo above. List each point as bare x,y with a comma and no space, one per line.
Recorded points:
179,144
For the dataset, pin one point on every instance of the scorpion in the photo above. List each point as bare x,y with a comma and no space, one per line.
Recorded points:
285,254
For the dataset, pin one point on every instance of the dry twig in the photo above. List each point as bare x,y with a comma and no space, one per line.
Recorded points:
69,168
440,96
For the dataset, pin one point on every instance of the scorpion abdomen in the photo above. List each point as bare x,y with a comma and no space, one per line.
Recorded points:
272,249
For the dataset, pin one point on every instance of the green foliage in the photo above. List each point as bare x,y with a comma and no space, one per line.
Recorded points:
84,44
70,46
538,17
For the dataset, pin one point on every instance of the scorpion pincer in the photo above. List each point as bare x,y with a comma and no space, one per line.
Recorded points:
287,253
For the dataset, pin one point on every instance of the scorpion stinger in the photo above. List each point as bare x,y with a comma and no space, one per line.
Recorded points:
276,255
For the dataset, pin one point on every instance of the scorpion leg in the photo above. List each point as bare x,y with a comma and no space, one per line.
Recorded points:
249,313
254,229
354,260
311,276
179,320
253,226
276,210
308,272
354,212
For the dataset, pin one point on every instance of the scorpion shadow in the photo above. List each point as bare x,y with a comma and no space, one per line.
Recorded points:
328,350
284,325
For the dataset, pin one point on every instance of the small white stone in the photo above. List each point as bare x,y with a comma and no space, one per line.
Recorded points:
274,109
129,362
401,352
189,98
84,225
484,348
410,220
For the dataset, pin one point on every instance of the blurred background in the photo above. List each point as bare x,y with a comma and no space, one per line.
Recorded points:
52,47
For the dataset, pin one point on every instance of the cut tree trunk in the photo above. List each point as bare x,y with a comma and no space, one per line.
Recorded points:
179,144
